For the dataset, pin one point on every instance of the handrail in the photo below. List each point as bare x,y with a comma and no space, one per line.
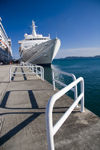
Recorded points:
52,130
35,69
63,84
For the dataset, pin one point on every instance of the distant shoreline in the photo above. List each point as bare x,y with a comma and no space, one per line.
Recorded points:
76,57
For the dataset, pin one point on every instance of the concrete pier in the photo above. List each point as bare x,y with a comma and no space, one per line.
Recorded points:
22,117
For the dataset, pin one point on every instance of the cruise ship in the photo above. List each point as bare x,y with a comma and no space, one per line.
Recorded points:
37,49
5,46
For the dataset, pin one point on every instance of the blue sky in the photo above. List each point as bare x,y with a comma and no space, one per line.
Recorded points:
75,22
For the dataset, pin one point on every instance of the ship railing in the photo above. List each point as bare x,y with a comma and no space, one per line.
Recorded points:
37,69
52,129
55,80
32,69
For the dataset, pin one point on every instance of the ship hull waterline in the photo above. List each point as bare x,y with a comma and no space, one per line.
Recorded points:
5,58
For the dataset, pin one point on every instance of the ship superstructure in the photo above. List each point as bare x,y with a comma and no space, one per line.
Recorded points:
5,46
37,49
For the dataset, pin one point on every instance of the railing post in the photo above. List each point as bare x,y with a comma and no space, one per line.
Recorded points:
10,74
50,140
36,70
49,127
53,79
75,92
82,100
75,88
32,69
42,73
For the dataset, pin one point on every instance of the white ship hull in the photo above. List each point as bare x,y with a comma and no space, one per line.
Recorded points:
43,53
5,46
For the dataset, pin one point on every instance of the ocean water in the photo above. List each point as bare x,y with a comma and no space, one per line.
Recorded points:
89,69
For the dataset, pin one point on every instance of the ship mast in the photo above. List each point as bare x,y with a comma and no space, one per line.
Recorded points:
0,19
33,31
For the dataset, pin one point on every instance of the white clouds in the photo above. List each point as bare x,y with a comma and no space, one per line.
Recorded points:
90,51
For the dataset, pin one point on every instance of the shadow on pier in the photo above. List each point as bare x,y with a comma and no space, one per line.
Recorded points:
14,74
23,124
19,127
31,111
32,99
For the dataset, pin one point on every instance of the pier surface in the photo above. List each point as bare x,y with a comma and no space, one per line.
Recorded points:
22,117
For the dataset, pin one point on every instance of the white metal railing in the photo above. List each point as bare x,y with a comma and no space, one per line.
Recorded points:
51,130
54,71
32,69
37,69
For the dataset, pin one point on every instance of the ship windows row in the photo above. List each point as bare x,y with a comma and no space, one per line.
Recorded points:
37,39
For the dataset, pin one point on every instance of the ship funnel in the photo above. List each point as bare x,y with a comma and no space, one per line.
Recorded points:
33,31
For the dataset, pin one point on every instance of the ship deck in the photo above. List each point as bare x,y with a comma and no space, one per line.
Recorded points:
22,117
